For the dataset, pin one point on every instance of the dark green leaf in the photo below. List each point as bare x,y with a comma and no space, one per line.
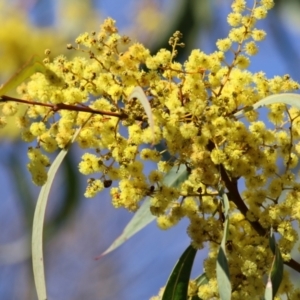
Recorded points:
178,282
276,274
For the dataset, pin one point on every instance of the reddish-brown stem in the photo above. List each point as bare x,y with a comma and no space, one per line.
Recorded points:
62,106
235,197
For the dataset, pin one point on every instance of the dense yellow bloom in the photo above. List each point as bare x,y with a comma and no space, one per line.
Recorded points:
194,106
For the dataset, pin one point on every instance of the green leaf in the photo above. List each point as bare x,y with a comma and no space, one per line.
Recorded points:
143,216
70,198
140,95
33,66
288,98
200,280
268,291
276,273
38,224
178,282
223,277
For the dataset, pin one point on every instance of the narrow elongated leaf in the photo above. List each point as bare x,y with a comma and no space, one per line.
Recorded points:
223,277
178,282
143,216
268,290
140,95
288,98
276,273
38,224
200,280
33,66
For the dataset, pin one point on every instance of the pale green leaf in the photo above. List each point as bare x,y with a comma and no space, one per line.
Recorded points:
288,98
202,279
178,282
223,276
38,224
33,66
143,216
140,95
268,291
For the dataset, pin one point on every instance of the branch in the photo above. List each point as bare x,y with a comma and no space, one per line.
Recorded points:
236,198
62,106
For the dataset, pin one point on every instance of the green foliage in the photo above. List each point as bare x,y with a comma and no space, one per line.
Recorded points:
38,225
178,282
276,273
143,216
223,276
33,66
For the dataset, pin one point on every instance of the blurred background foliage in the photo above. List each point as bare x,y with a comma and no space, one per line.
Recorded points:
77,229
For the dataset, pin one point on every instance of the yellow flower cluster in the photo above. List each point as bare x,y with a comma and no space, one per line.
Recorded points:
193,106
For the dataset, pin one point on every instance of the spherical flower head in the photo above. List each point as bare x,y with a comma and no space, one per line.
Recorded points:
109,26
238,6
37,166
224,44
38,128
48,142
268,4
35,155
38,173
251,48
90,164
197,60
26,135
165,222
149,154
260,12
164,166
139,53
135,169
234,19
237,34
63,138
242,62
94,187
188,130
218,156
115,91
9,108
249,268
258,35
130,152
155,176
162,58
